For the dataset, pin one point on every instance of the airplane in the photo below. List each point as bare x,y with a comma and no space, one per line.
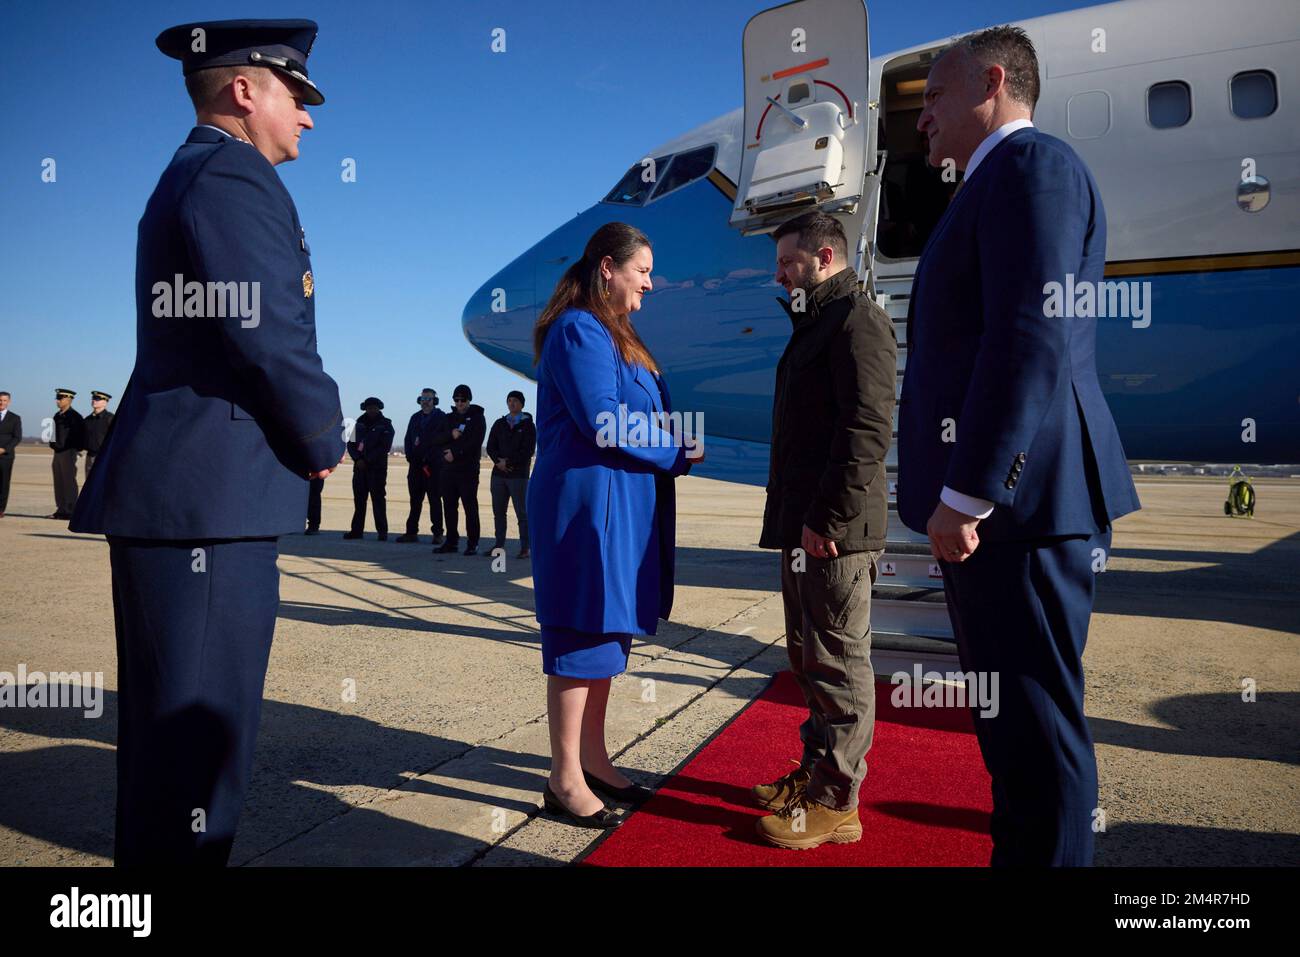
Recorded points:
1181,109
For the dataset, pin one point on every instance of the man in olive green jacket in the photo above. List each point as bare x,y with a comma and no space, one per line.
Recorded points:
827,511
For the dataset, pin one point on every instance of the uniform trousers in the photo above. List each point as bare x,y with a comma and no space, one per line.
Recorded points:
194,622
64,467
315,488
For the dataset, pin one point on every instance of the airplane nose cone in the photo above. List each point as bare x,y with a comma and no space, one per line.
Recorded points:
498,319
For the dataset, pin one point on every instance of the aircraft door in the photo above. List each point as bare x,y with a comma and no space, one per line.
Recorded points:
809,134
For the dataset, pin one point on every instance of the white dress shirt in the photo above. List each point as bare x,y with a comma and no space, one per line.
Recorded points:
224,133
969,504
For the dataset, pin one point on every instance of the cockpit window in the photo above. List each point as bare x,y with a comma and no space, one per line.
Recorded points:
636,185
686,168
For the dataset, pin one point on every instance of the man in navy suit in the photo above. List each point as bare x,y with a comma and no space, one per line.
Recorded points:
227,415
1008,456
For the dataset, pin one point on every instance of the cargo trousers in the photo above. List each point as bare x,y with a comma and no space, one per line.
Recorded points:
828,640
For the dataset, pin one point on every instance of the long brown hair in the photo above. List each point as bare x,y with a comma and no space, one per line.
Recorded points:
583,287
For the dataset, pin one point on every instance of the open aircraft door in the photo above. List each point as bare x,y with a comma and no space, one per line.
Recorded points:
810,130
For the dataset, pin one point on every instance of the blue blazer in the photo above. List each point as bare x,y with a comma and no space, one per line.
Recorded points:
222,419
1033,432
601,519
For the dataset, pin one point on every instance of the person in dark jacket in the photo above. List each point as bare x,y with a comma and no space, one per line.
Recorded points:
510,446
832,416
423,467
11,433
371,442
461,439
69,440
97,424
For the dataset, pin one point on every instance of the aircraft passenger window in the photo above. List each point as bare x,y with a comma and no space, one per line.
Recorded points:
686,168
1254,94
1169,104
632,189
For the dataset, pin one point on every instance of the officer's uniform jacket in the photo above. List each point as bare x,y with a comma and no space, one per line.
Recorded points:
223,418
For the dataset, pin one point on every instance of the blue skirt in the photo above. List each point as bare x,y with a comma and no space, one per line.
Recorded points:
569,653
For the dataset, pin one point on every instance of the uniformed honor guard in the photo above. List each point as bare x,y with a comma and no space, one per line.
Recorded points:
97,424
371,442
69,440
226,416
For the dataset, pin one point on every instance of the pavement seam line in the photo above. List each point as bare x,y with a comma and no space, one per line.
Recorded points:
530,815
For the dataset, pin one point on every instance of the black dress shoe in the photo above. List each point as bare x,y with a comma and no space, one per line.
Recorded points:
470,550
446,548
351,534
437,539
635,793
602,820
407,537
524,553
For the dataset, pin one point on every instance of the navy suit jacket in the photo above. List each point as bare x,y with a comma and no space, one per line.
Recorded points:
1033,432
222,419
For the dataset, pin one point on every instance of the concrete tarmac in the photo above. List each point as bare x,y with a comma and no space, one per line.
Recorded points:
404,719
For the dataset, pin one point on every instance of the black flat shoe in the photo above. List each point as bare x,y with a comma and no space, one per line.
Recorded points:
446,549
602,820
635,793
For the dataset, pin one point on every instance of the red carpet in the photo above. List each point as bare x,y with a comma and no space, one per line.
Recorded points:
925,801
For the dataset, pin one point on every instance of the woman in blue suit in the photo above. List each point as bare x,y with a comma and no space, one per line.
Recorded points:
600,508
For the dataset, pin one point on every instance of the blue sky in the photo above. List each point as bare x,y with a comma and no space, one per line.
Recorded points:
464,158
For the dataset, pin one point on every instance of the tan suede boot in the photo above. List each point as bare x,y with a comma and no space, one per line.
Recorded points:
774,796
804,823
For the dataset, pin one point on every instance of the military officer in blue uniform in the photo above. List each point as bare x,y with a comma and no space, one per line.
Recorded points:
227,415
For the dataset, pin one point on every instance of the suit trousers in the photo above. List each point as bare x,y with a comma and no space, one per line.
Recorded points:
506,490
421,487
194,622
828,640
64,467
372,481
1020,610
6,473
460,487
